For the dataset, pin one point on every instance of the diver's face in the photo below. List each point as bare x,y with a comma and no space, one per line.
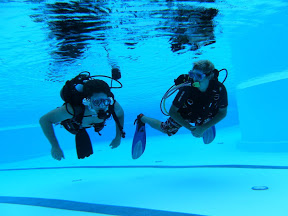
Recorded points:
100,101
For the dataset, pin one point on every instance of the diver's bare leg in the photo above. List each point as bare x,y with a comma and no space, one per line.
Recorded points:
154,123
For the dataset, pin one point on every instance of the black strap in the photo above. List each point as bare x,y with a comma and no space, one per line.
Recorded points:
98,127
78,113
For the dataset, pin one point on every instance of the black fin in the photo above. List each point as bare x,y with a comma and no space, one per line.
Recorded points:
83,144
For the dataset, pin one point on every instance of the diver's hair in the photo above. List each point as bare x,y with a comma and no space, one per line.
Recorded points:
96,86
204,65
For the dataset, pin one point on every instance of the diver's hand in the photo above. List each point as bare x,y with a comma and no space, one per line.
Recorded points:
57,153
115,143
198,131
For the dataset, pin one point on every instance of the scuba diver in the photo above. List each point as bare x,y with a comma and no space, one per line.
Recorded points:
199,105
89,102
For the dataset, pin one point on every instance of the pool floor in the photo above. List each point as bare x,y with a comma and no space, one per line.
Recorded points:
175,176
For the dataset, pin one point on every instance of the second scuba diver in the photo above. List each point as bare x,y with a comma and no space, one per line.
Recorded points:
199,105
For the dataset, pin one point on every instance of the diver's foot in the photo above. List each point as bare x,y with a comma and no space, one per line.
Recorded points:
138,120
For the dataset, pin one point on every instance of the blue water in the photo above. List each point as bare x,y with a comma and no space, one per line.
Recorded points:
45,43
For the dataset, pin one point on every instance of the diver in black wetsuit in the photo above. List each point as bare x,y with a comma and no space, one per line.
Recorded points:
199,105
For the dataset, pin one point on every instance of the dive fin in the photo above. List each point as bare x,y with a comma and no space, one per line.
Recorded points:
83,144
139,141
209,135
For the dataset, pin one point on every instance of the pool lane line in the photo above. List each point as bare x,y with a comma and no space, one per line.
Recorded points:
150,167
89,207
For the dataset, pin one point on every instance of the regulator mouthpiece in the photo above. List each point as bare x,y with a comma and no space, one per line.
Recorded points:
196,84
102,114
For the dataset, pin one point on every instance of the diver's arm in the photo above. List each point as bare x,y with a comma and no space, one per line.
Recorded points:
120,114
46,121
217,118
173,112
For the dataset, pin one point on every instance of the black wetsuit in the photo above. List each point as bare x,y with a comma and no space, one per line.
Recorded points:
197,106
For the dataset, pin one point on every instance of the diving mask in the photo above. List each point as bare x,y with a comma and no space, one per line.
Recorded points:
97,102
197,75
105,101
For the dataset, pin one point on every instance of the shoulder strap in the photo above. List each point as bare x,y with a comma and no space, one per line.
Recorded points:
78,113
